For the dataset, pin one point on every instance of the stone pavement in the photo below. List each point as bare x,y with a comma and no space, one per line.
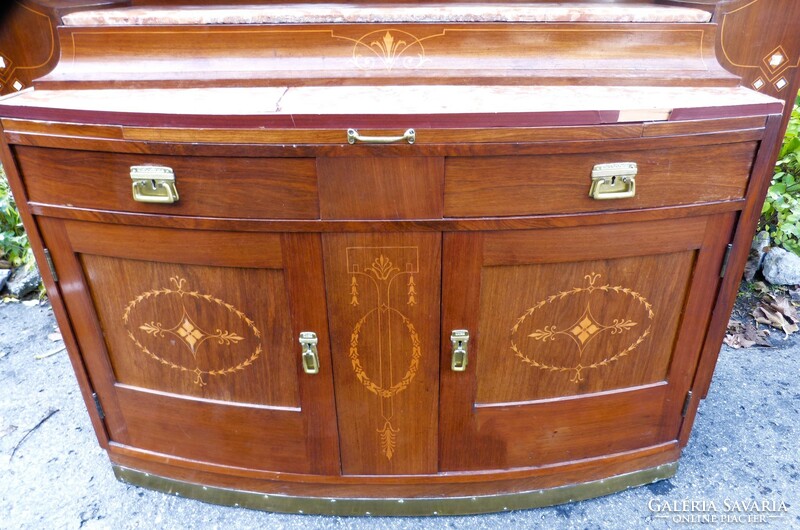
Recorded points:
745,447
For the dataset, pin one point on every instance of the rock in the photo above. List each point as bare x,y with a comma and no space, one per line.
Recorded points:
757,252
24,281
5,274
781,267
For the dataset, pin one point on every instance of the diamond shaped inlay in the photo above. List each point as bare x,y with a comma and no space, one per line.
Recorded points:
189,332
775,62
781,83
585,329
758,84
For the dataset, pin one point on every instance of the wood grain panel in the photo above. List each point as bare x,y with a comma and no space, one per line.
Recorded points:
568,430
383,305
201,361
198,247
331,54
486,186
645,351
239,436
380,188
513,247
196,330
613,328
207,186
442,485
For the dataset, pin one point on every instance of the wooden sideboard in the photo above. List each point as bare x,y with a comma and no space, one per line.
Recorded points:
396,260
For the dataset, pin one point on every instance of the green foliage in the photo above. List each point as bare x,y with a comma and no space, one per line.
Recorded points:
781,213
14,246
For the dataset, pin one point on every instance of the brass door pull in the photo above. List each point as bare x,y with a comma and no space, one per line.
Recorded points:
459,339
309,356
409,136
154,184
614,181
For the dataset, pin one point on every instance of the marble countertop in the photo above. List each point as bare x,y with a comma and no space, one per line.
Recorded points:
633,103
377,13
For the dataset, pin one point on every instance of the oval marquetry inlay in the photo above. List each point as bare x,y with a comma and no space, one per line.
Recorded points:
593,340
177,335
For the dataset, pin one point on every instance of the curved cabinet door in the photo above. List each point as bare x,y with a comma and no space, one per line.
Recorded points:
584,340
191,341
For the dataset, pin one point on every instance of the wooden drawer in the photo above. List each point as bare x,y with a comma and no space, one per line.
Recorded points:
271,188
552,184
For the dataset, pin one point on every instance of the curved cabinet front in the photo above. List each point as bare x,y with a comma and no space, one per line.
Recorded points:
427,329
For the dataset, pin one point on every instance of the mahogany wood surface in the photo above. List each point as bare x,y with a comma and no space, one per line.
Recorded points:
515,185
449,485
55,297
383,305
380,188
141,56
589,320
219,187
147,370
520,332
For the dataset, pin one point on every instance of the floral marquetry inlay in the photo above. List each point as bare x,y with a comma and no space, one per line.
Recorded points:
188,332
380,267
389,49
584,331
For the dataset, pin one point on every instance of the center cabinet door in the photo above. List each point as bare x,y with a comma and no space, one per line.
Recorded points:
201,358
584,340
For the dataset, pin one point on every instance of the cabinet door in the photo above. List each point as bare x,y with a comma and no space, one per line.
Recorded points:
191,341
583,340
383,302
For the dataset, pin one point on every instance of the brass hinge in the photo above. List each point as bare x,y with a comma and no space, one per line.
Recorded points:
50,265
686,404
725,259
99,407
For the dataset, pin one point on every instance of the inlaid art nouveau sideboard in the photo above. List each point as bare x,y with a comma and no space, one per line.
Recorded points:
396,259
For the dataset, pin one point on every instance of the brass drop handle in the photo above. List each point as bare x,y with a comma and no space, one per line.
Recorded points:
459,338
309,356
154,184
409,136
614,181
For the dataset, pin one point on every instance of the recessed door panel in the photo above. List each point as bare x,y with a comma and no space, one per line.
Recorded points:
191,341
583,340
195,330
566,329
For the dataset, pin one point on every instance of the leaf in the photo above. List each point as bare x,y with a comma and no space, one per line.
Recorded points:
777,312
746,336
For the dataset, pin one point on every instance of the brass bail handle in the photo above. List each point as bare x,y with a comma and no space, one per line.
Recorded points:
459,339
409,136
614,181
308,356
153,184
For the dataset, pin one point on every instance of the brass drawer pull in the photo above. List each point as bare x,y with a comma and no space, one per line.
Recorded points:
309,356
155,184
409,136
459,339
614,181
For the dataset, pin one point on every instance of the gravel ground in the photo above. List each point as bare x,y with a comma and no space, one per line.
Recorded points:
744,447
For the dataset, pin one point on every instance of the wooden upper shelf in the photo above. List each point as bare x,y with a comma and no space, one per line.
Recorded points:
431,13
